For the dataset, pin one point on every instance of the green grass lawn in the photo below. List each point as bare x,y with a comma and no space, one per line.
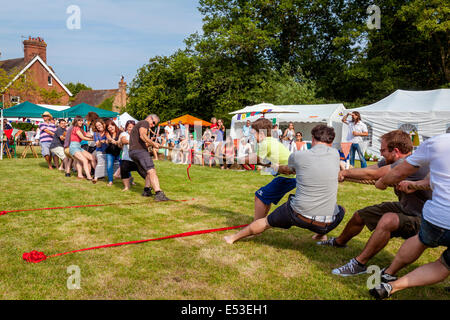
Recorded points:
279,264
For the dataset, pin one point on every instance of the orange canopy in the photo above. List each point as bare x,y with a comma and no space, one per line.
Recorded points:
188,119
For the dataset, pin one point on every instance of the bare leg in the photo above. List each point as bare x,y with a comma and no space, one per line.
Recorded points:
69,164
153,179
117,173
126,184
56,161
79,168
49,161
353,228
256,227
261,209
388,223
409,252
320,237
430,273
86,166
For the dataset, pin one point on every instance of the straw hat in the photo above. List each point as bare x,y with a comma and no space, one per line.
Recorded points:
48,114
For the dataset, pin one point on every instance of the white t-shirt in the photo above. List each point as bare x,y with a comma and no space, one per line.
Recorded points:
359,127
170,134
434,152
125,154
244,150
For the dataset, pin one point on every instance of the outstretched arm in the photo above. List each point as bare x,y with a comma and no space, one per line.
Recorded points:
396,175
371,173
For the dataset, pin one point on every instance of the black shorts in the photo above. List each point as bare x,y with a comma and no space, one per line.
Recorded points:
284,217
127,166
142,159
408,225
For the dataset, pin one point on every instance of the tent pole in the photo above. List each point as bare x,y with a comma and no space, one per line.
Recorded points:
1,135
1,131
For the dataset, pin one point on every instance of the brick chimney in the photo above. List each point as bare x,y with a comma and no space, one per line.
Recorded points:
34,47
123,92
120,101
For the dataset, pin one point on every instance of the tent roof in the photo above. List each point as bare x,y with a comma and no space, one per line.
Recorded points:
187,119
83,109
123,118
412,101
28,110
304,113
264,108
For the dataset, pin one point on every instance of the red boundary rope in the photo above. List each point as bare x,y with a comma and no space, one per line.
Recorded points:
37,256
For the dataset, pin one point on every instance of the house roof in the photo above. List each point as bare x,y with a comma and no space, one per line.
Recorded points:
23,67
94,97
11,64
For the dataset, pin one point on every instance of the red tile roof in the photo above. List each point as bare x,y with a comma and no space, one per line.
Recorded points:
93,97
11,64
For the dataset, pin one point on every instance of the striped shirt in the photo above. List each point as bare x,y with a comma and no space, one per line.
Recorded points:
45,137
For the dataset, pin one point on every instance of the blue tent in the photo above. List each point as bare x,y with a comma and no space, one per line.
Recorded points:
83,109
28,110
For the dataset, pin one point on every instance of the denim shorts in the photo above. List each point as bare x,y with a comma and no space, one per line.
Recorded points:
275,190
45,148
284,217
75,147
433,236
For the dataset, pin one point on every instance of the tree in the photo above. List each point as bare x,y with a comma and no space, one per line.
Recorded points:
75,88
50,96
432,20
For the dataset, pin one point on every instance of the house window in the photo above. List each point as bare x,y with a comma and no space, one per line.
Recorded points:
50,80
15,100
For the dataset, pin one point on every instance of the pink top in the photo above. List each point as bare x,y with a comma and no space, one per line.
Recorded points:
74,136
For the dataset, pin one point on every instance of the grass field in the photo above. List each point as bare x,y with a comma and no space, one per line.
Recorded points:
279,264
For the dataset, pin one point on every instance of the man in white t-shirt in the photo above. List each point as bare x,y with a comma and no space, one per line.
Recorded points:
170,135
435,226
356,130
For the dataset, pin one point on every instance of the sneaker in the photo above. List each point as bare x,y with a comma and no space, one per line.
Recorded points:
352,268
160,196
68,175
147,192
331,243
382,291
386,277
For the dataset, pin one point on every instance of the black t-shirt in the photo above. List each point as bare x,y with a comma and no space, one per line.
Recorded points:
113,149
412,203
57,142
135,139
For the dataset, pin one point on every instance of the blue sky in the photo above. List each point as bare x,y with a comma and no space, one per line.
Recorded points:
116,37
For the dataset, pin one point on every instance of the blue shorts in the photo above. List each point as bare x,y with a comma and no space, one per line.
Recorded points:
275,190
45,148
433,236
74,147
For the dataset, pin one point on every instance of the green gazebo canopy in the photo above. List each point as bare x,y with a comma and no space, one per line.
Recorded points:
28,110
83,109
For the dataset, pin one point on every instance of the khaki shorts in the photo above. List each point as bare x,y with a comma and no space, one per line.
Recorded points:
59,151
408,225
67,153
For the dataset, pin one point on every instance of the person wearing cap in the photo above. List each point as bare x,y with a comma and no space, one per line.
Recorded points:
47,131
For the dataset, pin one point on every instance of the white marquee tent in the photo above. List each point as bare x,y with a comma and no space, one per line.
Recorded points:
123,118
305,118
424,112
